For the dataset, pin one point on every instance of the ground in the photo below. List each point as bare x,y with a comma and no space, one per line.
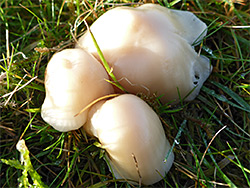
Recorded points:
210,134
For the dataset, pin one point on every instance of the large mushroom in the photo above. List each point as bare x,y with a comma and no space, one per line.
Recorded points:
133,136
73,79
150,50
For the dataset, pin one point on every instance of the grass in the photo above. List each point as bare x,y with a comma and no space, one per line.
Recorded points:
211,134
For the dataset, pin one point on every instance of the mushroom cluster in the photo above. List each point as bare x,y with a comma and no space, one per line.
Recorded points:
150,50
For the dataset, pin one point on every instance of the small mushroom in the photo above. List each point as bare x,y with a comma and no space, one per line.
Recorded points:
149,49
73,79
133,136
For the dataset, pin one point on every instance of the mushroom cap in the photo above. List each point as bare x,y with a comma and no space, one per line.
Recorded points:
149,50
140,70
73,79
183,23
133,136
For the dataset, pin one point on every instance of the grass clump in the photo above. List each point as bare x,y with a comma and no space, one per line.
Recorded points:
211,134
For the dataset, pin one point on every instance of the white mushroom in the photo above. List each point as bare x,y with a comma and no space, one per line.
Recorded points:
149,50
133,136
73,79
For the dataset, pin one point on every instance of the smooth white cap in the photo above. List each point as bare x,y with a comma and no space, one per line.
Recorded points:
149,50
73,79
133,136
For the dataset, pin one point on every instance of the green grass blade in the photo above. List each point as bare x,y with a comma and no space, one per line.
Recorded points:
220,172
176,139
239,164
105,63
72,163
238,47
232,94
223,98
